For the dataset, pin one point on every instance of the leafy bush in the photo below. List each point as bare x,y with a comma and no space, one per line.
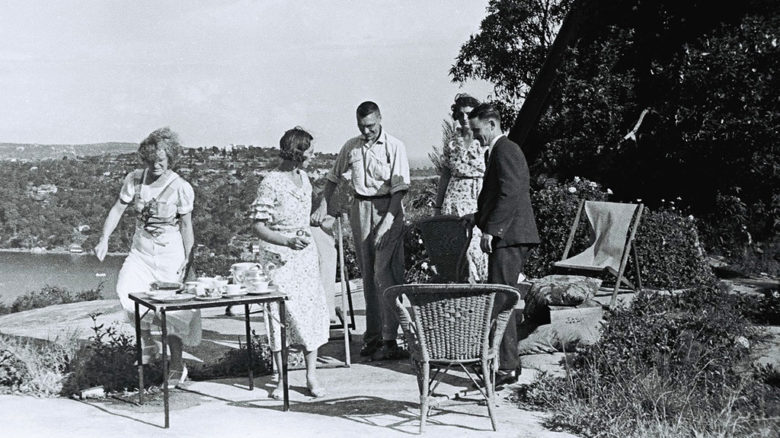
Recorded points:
761,309
13,371
670,253
32,366
555,205
109,361
49,296
211,265
668,362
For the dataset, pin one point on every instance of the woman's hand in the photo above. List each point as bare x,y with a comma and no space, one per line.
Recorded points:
297,243
319,215
101,249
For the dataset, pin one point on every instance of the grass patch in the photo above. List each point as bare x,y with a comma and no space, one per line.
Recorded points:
667,366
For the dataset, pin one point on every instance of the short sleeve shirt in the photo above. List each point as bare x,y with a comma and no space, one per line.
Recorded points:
378,169
173,195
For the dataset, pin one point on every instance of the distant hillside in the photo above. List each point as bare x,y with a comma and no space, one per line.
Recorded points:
31,152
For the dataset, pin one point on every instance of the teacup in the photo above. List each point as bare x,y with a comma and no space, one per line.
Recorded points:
220,285
233,289
259,284
191,287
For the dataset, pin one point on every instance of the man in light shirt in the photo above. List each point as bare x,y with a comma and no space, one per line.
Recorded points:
380,179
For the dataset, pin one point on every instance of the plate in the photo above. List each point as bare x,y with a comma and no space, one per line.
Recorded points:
167,286
173,298
237,294
271,289
208,298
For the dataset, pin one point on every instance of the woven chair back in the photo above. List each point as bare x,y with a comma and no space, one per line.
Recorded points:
446,240
454,325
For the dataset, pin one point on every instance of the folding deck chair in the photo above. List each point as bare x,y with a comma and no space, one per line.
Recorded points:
613,228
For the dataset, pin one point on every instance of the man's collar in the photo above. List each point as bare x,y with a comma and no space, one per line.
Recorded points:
495,140
380,139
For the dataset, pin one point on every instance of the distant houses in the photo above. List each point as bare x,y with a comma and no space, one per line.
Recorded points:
42,192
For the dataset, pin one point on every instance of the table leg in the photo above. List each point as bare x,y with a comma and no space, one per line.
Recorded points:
249,347
165,364
283,323
139,354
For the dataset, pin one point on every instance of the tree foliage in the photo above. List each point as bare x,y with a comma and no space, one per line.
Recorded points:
657,99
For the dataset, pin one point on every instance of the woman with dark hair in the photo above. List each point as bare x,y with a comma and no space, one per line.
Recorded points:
281,221
460,180
162,242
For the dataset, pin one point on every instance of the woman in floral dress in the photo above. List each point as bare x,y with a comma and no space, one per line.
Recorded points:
462,170
281,220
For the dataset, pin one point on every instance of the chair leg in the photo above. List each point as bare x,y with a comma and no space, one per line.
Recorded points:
425,382
490,390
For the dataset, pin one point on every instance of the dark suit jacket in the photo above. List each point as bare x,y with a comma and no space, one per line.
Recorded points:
504,204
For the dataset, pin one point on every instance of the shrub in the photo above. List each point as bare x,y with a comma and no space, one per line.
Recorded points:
109,361
13,371
555,205
666,366
670,254
52,295
211,265
32,366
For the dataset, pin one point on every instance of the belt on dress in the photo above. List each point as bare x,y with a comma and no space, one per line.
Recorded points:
368,198
468,177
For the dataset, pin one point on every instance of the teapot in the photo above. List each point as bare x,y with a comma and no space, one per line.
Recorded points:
243,271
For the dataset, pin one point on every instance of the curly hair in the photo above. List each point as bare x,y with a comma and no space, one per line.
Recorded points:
162,139
462,100
294,143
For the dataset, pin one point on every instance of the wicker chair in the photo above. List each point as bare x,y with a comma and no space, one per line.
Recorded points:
447,240
454,325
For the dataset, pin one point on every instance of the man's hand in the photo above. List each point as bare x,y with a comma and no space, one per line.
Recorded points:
101,249
319,215
468,220
486,243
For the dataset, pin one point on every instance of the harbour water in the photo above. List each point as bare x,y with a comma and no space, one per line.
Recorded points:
21,272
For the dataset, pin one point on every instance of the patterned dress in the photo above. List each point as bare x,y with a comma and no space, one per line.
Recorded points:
285,208
466,160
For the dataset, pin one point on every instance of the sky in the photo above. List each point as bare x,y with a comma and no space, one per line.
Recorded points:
221,72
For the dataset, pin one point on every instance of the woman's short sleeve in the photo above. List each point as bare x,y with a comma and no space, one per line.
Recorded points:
265,202
127,192
186,198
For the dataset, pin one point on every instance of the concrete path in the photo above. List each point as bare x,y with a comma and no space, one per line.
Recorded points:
377,399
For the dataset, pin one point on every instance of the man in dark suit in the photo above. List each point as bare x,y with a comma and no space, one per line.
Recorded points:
506,218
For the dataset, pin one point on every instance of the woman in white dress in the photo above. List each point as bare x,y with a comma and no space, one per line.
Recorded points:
281,221
162,242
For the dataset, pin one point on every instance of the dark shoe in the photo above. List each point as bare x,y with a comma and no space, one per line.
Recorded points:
390,351
504,377
370,347
229,311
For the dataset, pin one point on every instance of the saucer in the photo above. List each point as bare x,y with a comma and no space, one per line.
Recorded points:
208,298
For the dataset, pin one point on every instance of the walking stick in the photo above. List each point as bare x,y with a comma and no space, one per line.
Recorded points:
344,304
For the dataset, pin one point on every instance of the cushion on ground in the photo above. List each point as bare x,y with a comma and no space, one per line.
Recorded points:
557,290
569,328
